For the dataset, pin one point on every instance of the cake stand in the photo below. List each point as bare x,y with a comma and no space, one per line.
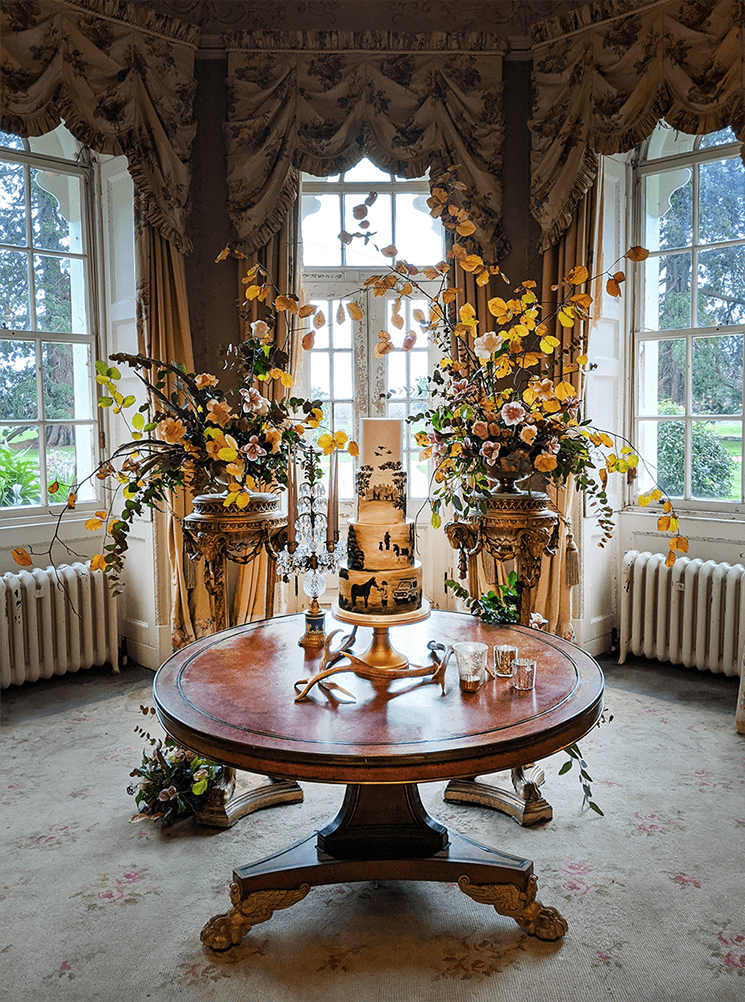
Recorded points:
381,653
381,662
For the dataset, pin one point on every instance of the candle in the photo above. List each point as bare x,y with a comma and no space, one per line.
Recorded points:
332,522
291,500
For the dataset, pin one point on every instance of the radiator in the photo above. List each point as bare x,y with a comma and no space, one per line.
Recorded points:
692,613
55,621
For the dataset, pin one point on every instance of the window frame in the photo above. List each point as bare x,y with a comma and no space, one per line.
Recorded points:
641,169
86,168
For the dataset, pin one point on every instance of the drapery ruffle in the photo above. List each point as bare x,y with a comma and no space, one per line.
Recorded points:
320,101
605,74
122,79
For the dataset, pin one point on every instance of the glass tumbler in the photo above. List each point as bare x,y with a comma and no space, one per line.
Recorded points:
504,660
524,677
470,657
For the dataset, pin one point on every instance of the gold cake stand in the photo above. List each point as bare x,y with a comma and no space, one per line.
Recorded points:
381,662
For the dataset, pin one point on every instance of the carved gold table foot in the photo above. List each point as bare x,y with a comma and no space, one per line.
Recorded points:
530,915
225,805
382,832
223,931
525,805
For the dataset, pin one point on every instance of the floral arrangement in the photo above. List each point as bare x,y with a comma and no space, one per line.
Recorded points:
173,782
192,432
501,406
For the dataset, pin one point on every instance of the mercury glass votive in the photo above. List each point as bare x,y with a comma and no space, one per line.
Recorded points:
524,677
470,657
504,660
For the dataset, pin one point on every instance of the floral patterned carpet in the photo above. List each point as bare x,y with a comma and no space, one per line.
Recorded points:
93,907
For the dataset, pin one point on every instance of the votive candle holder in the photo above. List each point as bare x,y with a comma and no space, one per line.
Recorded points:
524,677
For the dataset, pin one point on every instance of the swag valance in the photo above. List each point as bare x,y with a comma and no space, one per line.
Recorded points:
606,73
121,77
320,101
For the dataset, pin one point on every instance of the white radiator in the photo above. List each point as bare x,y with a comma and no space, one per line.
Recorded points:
692,613
55,621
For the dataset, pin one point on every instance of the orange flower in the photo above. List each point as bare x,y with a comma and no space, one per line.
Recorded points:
219,412
205,379
173,430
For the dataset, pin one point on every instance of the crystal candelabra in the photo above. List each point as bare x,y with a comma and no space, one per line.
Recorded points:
313,547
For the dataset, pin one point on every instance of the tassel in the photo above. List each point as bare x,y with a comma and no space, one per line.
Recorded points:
572,561
190,571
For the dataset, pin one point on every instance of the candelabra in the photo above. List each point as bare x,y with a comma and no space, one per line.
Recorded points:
313,547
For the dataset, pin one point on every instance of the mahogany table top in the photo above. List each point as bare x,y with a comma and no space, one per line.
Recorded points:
231,696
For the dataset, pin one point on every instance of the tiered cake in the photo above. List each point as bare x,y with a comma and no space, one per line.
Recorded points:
380,576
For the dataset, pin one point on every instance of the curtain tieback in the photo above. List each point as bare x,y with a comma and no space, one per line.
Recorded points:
572,561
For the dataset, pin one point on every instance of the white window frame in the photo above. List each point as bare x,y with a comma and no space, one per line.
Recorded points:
642,168
85,167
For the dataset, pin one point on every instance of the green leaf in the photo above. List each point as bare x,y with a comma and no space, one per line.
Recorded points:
105,401
128,401
102,368
114,373
597,810
565,768
138,421
436,520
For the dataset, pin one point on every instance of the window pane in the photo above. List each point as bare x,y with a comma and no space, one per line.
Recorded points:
321,339
56,211
716,374
722,200
716,463
312,177
718,138
70,459
10,141
365,171
418,369
320,380
60,294
666,142
397,410
18,398
343,419
320,228
12,204
670,457
396,373
418,235
668,209
418,476
341,333
66,375
14,300
662,368
343,379
721,287
20,481
668,292
346,476
379,217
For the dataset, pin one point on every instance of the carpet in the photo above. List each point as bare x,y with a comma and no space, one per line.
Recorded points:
95,908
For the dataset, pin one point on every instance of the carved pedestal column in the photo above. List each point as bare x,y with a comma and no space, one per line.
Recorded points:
220,534
521,527
516,526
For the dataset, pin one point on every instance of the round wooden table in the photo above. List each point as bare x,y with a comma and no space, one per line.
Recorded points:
231,697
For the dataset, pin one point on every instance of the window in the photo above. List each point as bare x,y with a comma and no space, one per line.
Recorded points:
343,368
48,424
689,326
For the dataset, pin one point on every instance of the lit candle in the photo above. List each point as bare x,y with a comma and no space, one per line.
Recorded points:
332,521
291,500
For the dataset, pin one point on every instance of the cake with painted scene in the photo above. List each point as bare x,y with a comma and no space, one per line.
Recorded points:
381,575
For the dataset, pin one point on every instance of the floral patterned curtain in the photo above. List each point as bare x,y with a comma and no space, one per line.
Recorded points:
606,73
320,101
121,77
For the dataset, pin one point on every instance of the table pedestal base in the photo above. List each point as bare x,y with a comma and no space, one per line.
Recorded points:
225,806
525,805
382,833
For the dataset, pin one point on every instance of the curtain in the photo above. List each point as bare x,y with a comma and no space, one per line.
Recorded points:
256,580
122,78
320,101
163,332
606,73
576,246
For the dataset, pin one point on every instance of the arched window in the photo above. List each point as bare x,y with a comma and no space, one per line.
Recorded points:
343,368
689,316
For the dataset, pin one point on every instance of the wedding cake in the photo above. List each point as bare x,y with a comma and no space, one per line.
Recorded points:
380,575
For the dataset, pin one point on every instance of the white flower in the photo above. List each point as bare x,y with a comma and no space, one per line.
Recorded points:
513,413
487,344
253,402
260,329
